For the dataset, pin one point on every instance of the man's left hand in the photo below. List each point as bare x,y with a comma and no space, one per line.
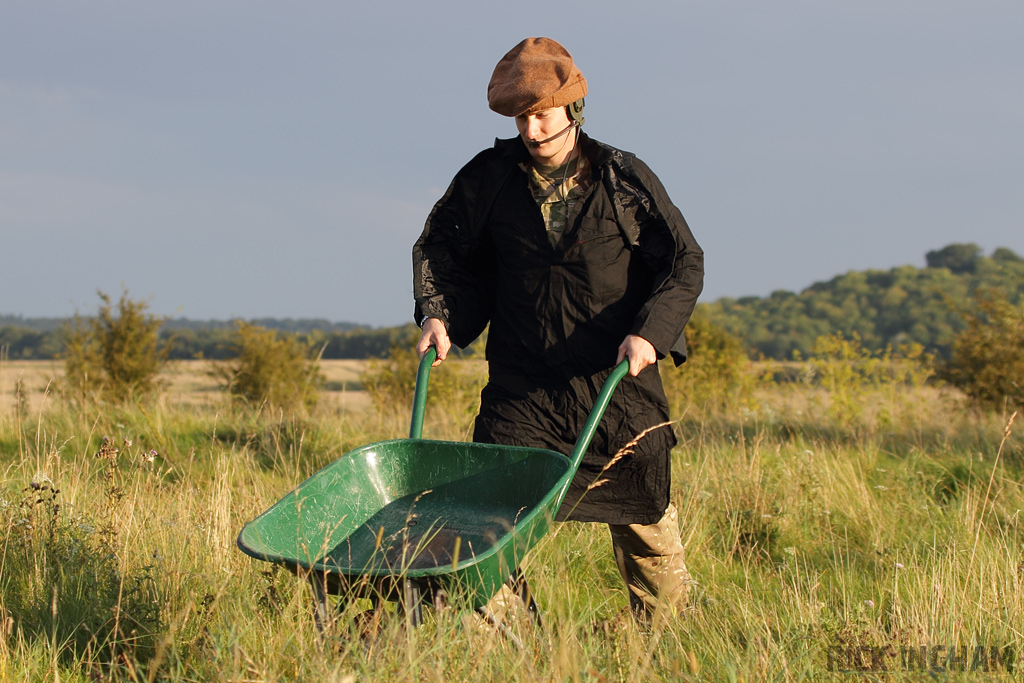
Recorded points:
640,352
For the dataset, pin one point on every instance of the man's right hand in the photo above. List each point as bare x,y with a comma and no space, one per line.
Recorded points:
434,334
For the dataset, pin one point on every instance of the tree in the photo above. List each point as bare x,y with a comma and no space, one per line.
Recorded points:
115,355
987,362
959,258
1006,255
270,368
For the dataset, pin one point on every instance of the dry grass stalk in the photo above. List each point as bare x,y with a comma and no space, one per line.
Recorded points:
628,449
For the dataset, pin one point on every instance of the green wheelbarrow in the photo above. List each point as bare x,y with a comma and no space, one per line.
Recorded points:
413,519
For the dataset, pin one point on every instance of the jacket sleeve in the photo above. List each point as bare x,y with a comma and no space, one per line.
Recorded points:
665,243
450,265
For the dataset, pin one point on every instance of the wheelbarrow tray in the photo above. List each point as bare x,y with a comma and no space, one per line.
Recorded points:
442,512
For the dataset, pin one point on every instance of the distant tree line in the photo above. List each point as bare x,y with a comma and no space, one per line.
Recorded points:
218,344
46,338
882,308
23,343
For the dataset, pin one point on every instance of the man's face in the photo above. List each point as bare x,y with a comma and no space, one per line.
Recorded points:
541,126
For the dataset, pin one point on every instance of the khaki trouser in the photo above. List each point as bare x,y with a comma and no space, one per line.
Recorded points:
651,562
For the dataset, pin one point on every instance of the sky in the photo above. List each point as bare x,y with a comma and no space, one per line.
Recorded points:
230,158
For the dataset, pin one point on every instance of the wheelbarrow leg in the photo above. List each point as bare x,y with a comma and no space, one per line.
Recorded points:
321,609
411,602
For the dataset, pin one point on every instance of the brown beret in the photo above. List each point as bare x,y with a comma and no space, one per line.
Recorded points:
536,74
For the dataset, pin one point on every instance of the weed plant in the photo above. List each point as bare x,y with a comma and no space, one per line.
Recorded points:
114,356
270,370
820,542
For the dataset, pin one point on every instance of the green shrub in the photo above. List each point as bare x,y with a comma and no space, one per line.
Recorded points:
845,369
115,355
270,369
857,378
716,373
987,362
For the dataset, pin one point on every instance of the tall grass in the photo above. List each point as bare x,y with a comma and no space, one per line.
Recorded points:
812,534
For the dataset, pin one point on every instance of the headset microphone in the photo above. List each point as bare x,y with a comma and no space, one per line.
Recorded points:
557,135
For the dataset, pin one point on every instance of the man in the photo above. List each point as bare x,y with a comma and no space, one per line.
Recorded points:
575,255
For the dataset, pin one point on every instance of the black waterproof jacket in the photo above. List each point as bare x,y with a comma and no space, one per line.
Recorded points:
626,264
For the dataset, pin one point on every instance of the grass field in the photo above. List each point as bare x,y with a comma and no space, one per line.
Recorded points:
883,543
185,382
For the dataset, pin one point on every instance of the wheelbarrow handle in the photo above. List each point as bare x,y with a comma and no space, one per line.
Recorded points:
419,401
596,413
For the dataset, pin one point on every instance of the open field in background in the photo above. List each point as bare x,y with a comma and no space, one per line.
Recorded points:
822,540
186,382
